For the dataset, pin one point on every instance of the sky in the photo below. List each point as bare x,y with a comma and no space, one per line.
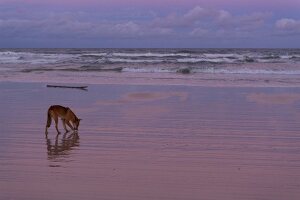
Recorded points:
149,23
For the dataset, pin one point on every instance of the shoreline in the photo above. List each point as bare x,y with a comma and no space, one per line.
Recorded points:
168,79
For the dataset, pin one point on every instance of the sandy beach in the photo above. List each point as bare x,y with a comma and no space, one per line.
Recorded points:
151,142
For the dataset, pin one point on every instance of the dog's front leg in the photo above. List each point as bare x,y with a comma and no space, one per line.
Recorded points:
69,124
64,124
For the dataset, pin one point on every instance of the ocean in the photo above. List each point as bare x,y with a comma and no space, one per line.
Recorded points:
234,67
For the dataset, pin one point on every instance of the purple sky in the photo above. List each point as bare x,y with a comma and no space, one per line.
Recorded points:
155,23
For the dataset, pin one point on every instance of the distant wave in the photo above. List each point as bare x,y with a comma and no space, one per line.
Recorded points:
186,61
128,60
146,56
206,60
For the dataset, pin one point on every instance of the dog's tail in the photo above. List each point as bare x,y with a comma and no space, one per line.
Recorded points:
48,119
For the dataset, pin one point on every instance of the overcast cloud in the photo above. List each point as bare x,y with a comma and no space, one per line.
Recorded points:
197,26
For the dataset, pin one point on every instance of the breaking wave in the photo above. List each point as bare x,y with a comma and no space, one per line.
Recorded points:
185,61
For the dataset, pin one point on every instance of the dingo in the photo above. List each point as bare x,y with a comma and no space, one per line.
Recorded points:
66,116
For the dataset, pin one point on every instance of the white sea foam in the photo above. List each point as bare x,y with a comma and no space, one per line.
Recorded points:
246,71
149,54
211,60
9,57
95,54
123,60
147,70
218,55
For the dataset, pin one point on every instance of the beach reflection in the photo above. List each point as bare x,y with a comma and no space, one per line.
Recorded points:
61,148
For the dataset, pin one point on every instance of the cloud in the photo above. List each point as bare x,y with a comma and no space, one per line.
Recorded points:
190,18
127,28
195,14
202,22
288,25
196,24
252,21
67,26
199,32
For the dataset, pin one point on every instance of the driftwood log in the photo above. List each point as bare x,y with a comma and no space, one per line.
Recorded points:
73,87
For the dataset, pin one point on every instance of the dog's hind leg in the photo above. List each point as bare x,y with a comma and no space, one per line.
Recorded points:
56,123
48,124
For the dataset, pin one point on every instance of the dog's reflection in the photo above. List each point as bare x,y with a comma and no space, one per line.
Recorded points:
63,146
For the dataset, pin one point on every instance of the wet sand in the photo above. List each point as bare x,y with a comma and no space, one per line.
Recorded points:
151,142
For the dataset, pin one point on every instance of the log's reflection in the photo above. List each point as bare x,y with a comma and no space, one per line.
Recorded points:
61,147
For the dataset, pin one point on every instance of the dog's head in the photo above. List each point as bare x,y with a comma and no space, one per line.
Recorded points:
76,124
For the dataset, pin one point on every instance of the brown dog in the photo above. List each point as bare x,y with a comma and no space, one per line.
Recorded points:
66,115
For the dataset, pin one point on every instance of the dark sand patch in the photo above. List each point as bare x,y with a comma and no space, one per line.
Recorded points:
264,98
154,96
145,97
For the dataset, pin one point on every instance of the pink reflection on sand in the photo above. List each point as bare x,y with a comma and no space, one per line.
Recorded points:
145,97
